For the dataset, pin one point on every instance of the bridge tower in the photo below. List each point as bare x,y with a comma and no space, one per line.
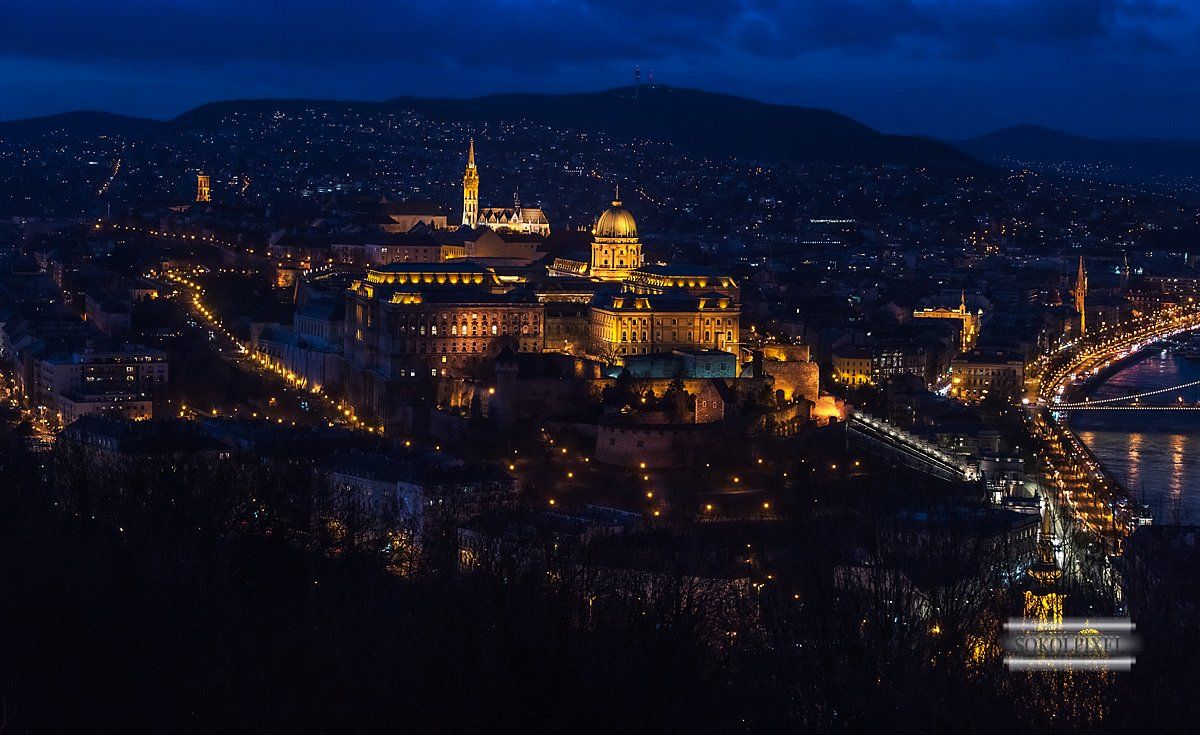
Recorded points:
1081,286
471,189
203,192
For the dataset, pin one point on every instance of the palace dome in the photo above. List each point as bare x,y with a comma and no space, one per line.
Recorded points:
616,222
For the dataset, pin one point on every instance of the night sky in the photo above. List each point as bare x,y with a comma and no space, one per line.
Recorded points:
952,68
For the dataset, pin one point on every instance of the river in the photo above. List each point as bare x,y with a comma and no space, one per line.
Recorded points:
1156,454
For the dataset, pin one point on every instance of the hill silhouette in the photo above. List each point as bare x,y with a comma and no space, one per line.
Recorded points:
1125,158
81,123
697,122
706,123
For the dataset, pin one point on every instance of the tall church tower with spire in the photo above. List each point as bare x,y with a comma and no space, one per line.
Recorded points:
471,189
1081,297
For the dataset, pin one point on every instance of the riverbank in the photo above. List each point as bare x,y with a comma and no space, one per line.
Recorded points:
1153,452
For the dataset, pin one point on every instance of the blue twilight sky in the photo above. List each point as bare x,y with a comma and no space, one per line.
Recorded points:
952,68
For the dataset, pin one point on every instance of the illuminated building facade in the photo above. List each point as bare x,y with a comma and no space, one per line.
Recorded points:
616,250
658,308
1081,287
977,375
852,365
203,191
528,220
406,322
120,381
635,324
409,322
968,320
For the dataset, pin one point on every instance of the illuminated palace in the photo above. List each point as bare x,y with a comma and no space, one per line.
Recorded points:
430,320
616,251
660,308
633,324
408,323
530,220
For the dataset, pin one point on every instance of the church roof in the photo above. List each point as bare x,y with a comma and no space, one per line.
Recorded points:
533,215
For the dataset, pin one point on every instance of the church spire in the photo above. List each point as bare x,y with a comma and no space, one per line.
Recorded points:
470,215
1081,296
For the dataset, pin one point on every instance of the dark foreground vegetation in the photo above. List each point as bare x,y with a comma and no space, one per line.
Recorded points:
180,596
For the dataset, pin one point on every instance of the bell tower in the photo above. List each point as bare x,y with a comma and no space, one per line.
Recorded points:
471,189
1081,287
203,193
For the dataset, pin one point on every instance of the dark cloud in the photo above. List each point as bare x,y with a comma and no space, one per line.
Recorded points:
523,34
189,48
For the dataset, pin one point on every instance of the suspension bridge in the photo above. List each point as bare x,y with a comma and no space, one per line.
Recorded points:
1133,402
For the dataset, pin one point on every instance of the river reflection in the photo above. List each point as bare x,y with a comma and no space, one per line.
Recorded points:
1154,453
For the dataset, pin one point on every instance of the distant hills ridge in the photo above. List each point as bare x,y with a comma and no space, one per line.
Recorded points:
1125,158
697,122
81,122
704,123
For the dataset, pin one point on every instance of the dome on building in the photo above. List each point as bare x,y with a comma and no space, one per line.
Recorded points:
616,222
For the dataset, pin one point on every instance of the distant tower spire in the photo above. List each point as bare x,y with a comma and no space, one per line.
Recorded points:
962,305
637,80
1081,286
470,216
203,192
